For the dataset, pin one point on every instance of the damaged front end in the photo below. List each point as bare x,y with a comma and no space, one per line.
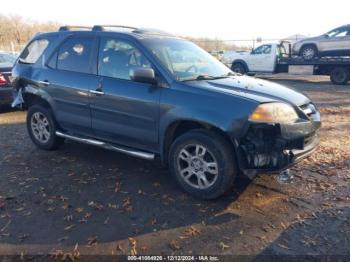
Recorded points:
273,148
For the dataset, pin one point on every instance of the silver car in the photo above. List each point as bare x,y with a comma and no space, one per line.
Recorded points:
333,43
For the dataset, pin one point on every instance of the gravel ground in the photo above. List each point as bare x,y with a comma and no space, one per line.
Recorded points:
87,200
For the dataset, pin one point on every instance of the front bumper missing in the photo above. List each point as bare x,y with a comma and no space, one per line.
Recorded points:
273,148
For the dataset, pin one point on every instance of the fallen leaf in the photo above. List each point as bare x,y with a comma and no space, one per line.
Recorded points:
283,246
63,239
120,248
67,228
133,244
92,241
174,245
223,246
192,231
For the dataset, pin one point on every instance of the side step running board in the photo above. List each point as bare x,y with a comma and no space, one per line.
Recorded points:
131,152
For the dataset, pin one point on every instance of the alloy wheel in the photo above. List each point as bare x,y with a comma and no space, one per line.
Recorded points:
197,166
40,127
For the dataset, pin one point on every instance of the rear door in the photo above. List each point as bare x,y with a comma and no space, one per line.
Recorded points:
123,111
68,79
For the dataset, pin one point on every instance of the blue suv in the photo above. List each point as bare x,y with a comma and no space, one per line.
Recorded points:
147,93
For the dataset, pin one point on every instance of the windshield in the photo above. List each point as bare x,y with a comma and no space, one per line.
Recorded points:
185,60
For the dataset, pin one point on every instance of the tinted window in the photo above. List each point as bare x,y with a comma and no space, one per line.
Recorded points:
53,61
117,57
74,55
33,51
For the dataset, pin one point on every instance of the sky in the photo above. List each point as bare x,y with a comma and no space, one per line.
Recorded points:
223,19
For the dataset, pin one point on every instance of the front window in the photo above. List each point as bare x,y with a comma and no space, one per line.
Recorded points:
185,60
263,49
118,57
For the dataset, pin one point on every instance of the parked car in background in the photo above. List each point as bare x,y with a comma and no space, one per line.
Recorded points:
149,94
6,62
333,43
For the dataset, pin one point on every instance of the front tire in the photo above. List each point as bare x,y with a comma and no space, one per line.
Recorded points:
203,163
42,128
239,68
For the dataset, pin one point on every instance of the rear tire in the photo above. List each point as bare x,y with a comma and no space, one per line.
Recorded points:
203,163
340,75
308,52
42,128
239,68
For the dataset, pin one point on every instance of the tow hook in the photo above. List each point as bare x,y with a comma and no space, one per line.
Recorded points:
285,177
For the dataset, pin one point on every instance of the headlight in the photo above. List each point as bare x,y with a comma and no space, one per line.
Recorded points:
274,113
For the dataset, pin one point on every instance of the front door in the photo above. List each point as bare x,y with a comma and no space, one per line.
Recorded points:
123,111
262,59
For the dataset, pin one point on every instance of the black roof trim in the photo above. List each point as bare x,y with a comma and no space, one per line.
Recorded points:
72,27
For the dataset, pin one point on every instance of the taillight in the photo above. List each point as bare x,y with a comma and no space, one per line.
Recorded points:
3,80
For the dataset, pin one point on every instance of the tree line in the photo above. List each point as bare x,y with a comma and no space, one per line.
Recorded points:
15,31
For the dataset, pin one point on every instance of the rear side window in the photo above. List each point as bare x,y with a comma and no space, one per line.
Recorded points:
33,51
74,54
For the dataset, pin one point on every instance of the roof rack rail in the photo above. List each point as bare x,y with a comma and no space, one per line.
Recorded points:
102,27
72,27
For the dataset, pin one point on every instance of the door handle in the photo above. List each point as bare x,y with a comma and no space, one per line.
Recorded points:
97,92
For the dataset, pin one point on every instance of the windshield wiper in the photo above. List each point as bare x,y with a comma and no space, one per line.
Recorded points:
205,77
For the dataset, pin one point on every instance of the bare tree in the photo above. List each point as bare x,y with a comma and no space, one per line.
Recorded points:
15,31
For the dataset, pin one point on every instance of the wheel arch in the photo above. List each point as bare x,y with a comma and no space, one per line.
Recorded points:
242,62
32,96
182,126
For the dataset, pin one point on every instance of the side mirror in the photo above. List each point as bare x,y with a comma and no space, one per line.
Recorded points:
252,51
143,75
326,36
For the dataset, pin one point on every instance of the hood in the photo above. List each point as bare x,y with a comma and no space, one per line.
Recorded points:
255,89
229,56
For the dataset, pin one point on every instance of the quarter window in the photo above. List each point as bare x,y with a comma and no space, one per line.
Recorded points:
74,55
118,57
33,51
